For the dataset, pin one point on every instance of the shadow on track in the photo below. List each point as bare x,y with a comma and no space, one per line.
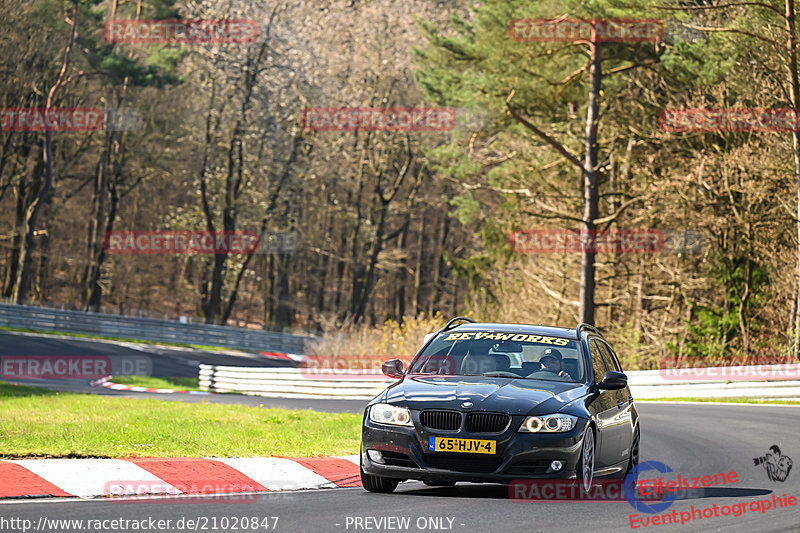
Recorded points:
501,492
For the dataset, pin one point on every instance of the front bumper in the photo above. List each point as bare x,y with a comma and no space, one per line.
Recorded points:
519,455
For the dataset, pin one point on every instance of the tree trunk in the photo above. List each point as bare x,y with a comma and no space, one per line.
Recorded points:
34,210
94,241
22,193
229,305
417,304
213,307
39,284
357,268
743,326
400,293
22,283
269,292
794,90
793,318
282,310
590,195
612,208
369,271
96,289
439,266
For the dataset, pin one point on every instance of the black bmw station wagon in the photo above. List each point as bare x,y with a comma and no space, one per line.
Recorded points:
484,402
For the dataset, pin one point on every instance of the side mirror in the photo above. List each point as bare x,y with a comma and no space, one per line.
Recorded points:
393,368
613,380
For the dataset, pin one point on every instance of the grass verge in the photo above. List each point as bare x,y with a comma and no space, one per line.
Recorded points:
41,423
117,339
724,400
158,383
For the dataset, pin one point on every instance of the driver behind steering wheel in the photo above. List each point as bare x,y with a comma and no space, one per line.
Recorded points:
551,362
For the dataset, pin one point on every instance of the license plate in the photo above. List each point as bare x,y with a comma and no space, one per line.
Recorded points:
447,444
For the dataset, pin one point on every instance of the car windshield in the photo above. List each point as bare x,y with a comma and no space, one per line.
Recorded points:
499,354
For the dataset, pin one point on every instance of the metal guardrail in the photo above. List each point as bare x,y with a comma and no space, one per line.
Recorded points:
152,329
779,381
360,385
291,383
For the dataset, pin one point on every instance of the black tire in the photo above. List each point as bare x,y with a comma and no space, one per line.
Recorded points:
585,470
633,460
378,484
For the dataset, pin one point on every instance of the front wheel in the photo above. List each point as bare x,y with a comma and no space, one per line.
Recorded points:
378,484
586,462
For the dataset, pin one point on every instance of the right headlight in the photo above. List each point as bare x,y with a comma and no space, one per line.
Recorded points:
557,423
384,413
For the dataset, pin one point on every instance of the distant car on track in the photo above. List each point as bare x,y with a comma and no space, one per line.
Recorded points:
502,402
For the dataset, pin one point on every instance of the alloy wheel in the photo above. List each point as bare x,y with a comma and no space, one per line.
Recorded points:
587,460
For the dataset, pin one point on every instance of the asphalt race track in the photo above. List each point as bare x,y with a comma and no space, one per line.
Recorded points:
692,439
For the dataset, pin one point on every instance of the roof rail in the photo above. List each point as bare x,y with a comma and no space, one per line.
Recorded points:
452,321
588,327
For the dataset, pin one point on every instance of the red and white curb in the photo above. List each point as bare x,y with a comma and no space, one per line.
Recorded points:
104,382
89,478
280,356
117,386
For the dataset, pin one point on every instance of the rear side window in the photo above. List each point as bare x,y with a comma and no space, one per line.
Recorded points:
615,358
608,357
598,364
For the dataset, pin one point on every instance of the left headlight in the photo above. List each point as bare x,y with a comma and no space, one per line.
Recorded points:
383,413
557,423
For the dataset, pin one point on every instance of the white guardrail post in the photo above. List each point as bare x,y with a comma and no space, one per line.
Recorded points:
780,381
293,382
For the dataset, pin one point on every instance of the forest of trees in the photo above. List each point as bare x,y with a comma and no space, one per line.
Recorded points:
559,134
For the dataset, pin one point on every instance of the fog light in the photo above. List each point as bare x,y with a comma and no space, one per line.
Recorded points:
555,466
375,456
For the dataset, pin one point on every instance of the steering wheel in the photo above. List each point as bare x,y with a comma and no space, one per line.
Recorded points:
550,374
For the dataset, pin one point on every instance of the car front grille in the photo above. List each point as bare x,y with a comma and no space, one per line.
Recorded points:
460,463
486,422
441,420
